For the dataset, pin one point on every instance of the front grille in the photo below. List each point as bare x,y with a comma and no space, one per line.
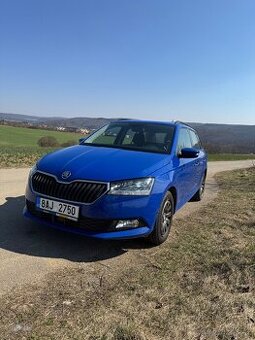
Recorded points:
83,192
83,223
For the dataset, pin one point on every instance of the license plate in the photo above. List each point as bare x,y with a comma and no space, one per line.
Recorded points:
58,208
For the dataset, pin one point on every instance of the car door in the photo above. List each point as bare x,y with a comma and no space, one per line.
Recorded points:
199,163
184,173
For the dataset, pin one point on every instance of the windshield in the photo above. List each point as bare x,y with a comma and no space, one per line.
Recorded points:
140,136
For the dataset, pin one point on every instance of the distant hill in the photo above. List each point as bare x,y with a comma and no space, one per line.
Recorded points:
24,118
227,138
216,137
78,122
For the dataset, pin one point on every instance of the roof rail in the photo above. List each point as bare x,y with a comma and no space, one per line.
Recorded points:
180,122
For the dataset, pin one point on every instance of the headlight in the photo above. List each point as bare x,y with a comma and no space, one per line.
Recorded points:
33,170
132,187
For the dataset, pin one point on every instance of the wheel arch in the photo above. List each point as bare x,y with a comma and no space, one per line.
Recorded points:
173,191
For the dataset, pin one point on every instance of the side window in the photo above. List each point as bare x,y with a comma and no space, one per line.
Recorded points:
195,142
183,140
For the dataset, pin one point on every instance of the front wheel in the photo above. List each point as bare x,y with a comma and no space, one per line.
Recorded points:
164,221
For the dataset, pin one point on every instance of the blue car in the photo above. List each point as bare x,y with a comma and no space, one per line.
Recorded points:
126,180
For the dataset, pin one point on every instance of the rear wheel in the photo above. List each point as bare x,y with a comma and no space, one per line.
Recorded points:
200,193
164,221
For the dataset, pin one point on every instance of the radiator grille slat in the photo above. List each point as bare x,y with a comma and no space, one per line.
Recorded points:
78,191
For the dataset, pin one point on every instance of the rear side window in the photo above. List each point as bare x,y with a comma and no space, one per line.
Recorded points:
184,140
195,142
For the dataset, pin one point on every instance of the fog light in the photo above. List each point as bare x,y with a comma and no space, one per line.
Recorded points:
127,224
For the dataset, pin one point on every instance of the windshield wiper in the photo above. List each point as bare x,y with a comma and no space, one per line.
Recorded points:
101,145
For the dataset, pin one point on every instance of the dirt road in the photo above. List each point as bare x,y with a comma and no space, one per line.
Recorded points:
28,251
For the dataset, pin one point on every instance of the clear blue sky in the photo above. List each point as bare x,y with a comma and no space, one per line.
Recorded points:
192,60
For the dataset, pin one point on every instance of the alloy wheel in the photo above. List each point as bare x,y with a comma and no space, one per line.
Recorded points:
166,217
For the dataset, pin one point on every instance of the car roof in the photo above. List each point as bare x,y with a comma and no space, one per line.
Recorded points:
170,123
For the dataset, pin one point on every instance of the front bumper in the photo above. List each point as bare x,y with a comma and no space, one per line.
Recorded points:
98,219
123,234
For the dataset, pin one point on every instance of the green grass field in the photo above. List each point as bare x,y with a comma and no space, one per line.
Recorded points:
19,145
18,136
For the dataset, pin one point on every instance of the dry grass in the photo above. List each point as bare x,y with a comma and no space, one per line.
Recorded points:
199,285
11,156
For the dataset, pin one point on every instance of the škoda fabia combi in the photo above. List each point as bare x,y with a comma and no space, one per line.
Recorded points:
125,180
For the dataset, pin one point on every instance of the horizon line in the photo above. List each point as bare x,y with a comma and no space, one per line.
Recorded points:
116,118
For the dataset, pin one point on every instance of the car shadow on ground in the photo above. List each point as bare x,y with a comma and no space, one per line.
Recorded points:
20,235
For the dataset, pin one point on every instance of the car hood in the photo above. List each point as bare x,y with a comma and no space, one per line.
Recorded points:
101,163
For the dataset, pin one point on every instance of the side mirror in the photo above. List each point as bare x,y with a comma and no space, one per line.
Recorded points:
188,153
81,140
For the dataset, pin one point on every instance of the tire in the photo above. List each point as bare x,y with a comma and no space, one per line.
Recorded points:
200,193
164,221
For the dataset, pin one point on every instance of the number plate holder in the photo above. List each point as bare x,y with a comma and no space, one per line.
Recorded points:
62,209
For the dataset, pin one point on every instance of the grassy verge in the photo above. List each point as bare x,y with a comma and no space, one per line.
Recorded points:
11,156
230,157
18,146
199,285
